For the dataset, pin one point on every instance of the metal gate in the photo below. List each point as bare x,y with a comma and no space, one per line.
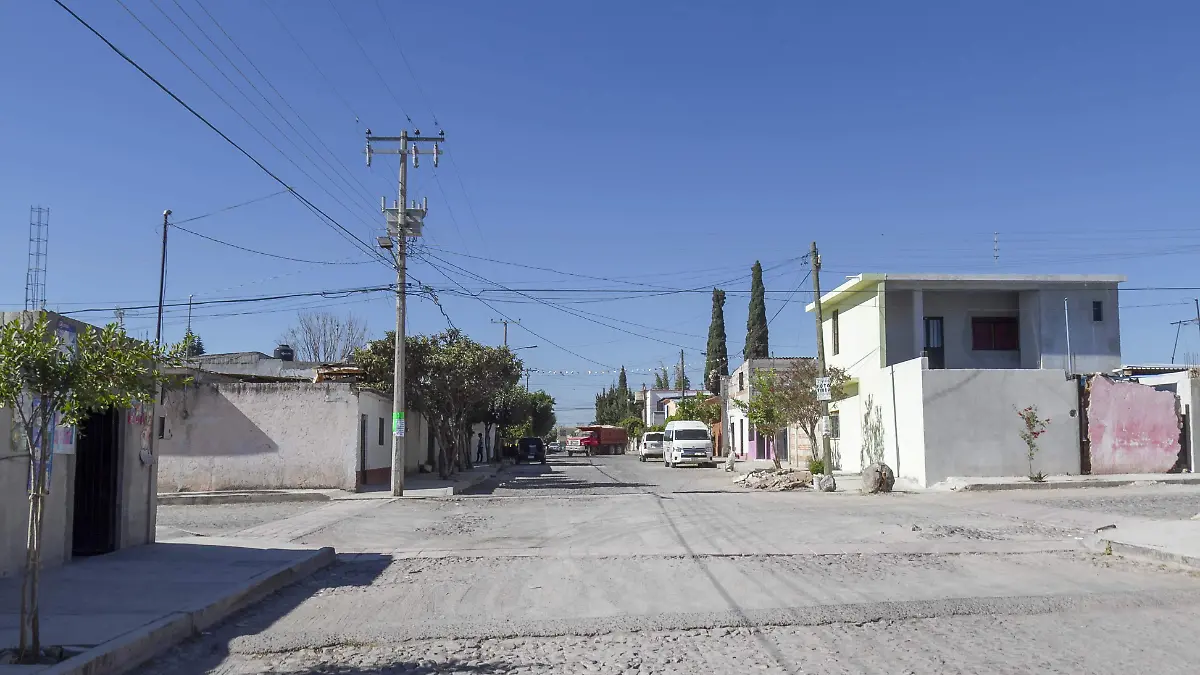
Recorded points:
97,465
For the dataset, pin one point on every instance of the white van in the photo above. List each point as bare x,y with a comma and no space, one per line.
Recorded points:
687,442
651,446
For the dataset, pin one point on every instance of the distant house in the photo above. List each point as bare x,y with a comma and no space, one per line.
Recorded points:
790,446
940,363
252,421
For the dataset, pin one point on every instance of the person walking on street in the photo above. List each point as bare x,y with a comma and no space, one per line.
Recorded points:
479,450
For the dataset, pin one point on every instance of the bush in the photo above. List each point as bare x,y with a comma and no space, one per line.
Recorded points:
816,466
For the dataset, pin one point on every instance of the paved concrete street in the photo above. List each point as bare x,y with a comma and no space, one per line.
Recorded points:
609,565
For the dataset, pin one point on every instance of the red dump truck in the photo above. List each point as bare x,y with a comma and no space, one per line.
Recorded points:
602,439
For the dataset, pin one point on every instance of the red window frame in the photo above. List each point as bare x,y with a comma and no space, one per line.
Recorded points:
995,333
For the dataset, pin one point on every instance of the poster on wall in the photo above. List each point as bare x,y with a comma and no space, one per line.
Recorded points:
62,436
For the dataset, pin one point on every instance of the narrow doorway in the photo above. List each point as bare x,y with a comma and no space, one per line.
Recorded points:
362,450
935,344
97,468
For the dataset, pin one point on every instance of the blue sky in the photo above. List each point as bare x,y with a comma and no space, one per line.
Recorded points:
666,144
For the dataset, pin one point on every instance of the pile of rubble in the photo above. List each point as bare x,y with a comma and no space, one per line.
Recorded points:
776,480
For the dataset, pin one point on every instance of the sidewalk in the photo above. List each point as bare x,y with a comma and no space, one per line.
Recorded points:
115,611
1175,542
983,484
417,486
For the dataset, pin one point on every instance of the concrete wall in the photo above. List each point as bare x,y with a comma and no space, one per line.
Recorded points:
255,436
1096,346
1132,427
972,427
883,422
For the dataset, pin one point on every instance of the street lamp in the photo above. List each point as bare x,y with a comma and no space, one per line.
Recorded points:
513,349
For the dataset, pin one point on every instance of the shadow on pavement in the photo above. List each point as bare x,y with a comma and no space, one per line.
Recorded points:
423,667
545,477
204,653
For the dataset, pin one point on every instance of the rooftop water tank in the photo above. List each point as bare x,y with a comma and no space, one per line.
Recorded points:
285,353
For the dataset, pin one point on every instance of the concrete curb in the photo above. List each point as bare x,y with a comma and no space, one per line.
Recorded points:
265,497
138,646
1066,485
451,490
1144,553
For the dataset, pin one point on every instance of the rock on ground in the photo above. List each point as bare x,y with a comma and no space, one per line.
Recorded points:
826,483
775,479
878,477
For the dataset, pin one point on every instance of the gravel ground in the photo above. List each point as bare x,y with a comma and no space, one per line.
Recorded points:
225,519
608,565
960,644
1154,506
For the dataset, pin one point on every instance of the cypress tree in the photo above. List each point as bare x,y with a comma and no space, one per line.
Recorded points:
756,322
717,363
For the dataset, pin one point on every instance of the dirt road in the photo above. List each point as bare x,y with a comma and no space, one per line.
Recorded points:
609,565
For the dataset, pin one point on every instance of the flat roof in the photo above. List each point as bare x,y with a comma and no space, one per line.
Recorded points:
861,282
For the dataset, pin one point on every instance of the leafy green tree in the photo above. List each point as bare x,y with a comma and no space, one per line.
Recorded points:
634,426
681,379
41,376
756,323
661,379
797,387
194,345
541,419
616,402
705,409
449,379
717,362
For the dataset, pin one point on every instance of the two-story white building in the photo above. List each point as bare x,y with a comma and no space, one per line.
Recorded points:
939,365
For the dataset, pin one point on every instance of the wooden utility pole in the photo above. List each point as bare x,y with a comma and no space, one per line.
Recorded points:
814,259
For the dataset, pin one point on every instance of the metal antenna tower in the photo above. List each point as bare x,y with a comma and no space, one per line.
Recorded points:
39,240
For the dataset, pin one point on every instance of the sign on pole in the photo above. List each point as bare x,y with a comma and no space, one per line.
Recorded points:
823,389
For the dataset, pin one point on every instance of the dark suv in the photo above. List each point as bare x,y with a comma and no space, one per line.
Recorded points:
531,450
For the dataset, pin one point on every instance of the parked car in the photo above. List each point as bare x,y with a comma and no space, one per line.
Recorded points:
687,442
531,450
652,445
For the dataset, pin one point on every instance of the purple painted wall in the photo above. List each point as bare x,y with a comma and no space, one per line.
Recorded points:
1132,428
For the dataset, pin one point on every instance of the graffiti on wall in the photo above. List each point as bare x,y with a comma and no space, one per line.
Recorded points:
1132,428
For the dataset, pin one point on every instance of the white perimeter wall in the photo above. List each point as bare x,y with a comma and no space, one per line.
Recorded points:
883,422
244,436
972,426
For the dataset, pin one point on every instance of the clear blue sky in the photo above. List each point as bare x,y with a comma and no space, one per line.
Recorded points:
667,143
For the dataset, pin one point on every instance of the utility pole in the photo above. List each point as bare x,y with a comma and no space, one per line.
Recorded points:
1180,324
162,279
403,221
682,384
506,322
826,453
527,372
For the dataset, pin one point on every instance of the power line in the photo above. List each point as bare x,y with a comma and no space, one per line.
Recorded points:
283,99
789,297
370,62
559,307
244,95
264,253
229,208
312,207
338,293
527,329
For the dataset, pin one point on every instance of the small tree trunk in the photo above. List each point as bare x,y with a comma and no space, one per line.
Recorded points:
26,576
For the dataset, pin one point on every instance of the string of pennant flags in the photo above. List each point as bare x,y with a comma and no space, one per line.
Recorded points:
628,371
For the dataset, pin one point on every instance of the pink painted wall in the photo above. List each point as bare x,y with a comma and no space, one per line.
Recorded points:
1133,428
